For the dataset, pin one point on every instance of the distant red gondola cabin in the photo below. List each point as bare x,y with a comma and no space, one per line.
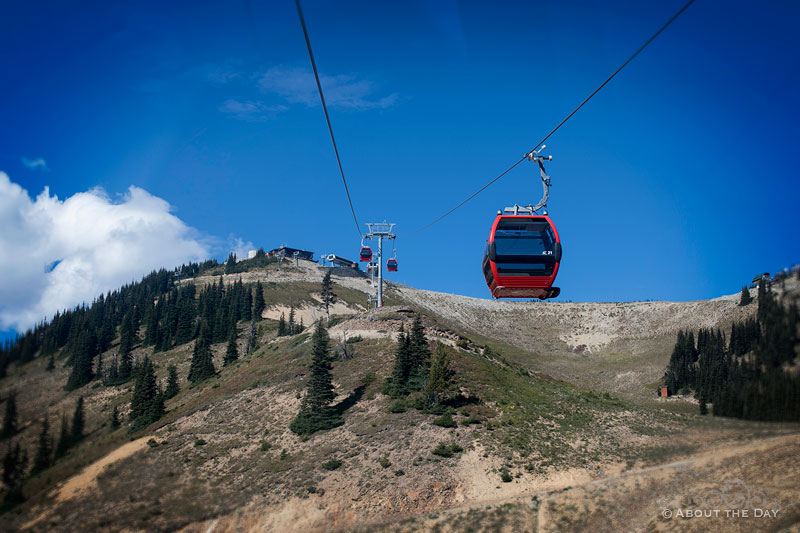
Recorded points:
391,265
522,257
366,254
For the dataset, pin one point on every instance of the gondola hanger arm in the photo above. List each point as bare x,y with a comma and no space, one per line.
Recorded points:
535,155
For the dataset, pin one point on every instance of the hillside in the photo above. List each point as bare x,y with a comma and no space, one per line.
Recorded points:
563,403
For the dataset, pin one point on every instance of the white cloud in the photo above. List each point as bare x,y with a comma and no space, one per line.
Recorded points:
57,254
250,110
297,86
35,164
239,247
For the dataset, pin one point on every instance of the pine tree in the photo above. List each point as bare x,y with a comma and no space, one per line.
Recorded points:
82,372
282,326
440,381
230,264
78,420
14,463
126,335
106,335
125,366
397,384
232,353
11,417
290,326
185,328
247,305
156,410
147,403
327,295
316,412
115,423
419,354
745,298
258,304
173,387
63,443
202,365
43,458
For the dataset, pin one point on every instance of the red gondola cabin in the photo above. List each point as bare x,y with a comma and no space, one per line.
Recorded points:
391,265
522,257
366,253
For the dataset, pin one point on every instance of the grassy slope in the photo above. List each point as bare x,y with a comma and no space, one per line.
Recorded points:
531,424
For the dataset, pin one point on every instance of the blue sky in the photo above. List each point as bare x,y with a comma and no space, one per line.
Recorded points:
677,181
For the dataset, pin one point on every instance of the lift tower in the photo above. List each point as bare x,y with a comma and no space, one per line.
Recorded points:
380,231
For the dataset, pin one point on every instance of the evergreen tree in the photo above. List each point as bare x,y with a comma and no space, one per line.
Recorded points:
185,328
247,305
147,403
230,264
232,353
78,420
115,423
125,366
157,409
282,326
703,407
440,381
202,365
290,326
419,355
173,387
127,335
106,335
327,295
63,443
11,416
258,303
51,364
316,412
14,463
745,298
43,458
396,384
82,372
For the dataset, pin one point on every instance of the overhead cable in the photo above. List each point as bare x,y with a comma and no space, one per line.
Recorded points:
327,117
524,157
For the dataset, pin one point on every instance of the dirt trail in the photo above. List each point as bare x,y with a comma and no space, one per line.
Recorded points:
86,480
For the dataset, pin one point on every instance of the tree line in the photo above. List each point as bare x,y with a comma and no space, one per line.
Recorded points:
749,375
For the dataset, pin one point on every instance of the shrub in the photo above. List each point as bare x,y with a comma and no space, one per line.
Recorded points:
384,462
445,450
265,446
369,378
505,475
331,464
284,454
353,340
397,406
399,473
445,421
472,419
199,442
